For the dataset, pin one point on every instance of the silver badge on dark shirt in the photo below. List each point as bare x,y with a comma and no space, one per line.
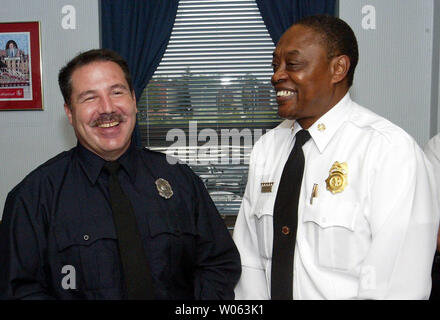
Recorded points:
164,188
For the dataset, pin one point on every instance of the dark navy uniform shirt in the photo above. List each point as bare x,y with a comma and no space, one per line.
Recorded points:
57,237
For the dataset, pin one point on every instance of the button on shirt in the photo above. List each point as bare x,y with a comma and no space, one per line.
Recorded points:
58,220
375,239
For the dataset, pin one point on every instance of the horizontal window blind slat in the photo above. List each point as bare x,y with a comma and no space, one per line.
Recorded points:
214,54
213,2
200,47
256,28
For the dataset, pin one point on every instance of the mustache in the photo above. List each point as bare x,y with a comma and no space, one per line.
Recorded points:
106,118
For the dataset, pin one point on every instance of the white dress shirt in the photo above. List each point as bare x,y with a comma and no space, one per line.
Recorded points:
432,150
373,240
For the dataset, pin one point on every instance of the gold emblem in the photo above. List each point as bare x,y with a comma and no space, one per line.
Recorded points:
337,179
321,127
266,187
164,188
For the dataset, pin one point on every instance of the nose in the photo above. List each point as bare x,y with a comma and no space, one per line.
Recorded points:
278,75
106,104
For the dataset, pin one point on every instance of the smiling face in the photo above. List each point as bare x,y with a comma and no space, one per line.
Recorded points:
307,82
102,109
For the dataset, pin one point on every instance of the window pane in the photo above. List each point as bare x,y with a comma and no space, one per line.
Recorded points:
211,99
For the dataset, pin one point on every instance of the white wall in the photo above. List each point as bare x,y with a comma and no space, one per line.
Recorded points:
29,138
394,75
435,92
395,72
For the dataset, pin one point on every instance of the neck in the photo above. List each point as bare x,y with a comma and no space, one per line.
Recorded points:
333,100
107,155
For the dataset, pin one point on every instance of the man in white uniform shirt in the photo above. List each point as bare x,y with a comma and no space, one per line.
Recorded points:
367,216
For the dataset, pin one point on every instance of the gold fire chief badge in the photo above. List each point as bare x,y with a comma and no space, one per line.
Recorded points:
164,188
337,179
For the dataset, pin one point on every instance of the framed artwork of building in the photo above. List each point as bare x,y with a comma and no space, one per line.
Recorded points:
20,66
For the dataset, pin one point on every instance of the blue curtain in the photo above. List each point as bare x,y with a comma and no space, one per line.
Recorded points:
279,15
139,30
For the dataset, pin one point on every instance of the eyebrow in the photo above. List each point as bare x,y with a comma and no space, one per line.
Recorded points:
119,86
293,52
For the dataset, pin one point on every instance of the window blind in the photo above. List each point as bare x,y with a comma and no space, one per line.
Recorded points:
210,98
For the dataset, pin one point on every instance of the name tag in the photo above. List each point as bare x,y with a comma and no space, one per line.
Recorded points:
266,187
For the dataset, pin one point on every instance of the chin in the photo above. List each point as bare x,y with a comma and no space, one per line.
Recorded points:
285,114
115,147
288,111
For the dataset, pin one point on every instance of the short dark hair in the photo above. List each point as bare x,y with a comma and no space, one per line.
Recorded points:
337,36
11,41
84,58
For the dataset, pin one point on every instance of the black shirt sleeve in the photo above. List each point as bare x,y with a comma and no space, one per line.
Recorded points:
22,247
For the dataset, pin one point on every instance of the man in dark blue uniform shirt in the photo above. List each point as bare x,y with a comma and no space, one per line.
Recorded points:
58,237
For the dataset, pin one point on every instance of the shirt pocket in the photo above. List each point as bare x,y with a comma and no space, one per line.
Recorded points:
171,221
331,225
93,254
263,214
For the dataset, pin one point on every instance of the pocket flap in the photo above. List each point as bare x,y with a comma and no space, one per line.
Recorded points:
174,223
341,214
68,235
265,205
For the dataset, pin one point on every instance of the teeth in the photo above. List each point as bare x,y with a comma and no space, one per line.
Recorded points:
284,93
108,125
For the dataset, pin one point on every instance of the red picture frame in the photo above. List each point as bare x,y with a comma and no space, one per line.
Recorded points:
20,66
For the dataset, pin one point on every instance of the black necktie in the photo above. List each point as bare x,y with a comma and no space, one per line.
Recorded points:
137,275
285,221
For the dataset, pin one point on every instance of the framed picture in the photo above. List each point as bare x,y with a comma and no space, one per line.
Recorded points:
20,66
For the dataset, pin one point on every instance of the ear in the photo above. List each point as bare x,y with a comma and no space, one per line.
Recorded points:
68,112
340,67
